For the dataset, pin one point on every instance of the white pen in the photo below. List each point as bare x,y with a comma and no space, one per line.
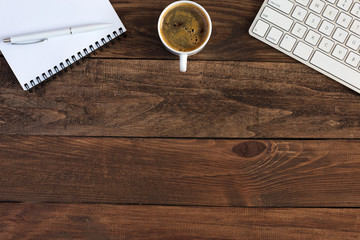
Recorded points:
42,36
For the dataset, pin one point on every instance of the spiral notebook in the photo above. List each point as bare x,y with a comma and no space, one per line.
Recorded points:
36,63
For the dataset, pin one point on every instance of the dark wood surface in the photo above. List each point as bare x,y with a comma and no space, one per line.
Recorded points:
238,173
74,221
248,144
215,99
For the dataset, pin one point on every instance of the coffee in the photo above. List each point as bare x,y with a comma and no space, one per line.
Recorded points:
184,27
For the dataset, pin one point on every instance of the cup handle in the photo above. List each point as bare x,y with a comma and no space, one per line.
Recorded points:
183,62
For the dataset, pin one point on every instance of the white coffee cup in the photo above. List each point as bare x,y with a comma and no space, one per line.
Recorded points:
184,55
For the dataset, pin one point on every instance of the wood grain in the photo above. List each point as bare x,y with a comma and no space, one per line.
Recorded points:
59,221
230,39
180,172
237,87
138,98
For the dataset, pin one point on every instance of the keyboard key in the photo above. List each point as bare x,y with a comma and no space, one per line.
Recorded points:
344,20
303,51
261,28
277,18
355,27
356,10
340,35
299,13
317,6
326,44
288,43
312,37
335,68
299,30
283,5
323,34
353,42
274,35
344,4
326,28
339,52
330,12
303,2
313,20
353,59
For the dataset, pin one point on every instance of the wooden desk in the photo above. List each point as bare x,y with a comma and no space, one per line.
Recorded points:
248,144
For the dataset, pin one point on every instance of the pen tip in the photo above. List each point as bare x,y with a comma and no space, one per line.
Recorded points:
7,40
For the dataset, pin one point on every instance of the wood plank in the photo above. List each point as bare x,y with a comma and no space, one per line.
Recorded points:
180,172
59,221
144,98
230,39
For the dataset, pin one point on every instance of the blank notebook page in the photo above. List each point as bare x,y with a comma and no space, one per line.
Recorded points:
18,17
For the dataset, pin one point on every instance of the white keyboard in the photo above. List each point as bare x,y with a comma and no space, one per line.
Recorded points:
323,34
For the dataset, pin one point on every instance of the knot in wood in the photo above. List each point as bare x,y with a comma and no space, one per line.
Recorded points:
249,149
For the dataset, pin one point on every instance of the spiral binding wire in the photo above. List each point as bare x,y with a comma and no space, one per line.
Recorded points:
69,62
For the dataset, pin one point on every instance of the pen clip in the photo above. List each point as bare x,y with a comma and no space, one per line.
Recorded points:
30,42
